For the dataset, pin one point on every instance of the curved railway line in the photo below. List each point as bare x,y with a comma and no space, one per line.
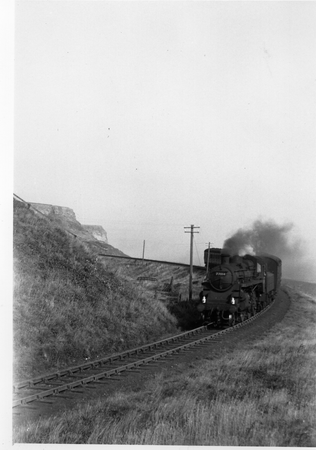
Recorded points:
46,388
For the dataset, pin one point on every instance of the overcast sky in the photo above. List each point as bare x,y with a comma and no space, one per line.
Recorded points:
147,117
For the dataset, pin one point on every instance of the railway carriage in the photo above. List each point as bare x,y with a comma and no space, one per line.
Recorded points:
237,287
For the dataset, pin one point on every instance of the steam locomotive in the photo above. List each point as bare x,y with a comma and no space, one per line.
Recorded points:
237,287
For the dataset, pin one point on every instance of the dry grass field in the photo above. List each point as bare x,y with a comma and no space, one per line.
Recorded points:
308,289
260,395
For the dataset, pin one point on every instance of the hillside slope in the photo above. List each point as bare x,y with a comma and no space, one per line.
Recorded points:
172,282
67,306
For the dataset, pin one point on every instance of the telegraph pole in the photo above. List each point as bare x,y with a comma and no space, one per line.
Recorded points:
208,256
191,258
143,250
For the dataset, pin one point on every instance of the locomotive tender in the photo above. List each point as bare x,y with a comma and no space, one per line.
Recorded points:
237,287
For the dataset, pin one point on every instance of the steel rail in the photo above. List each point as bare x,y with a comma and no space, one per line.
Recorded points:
104,360
96,378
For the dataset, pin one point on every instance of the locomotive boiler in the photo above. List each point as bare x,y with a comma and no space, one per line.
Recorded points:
237,287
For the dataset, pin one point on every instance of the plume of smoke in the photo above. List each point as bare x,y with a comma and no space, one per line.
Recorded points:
269,237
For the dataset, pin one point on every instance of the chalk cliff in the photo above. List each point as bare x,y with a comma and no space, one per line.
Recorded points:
93,235
97,232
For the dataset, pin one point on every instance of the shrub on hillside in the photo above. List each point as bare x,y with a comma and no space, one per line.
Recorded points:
186,313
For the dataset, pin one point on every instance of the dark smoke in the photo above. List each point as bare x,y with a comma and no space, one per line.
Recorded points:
265,237
268,237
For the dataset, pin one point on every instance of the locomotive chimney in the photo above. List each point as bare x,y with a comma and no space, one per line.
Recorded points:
225,258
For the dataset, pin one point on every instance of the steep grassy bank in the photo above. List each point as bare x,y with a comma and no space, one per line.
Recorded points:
67,306
261,394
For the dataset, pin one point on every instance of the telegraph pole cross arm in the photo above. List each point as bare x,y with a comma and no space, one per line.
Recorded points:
191,228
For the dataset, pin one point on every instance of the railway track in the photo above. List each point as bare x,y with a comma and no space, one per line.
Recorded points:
46,388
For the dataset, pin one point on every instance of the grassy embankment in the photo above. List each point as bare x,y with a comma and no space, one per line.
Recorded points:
67,307
262,394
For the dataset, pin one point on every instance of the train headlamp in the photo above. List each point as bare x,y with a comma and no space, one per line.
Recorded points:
233,301
204,299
